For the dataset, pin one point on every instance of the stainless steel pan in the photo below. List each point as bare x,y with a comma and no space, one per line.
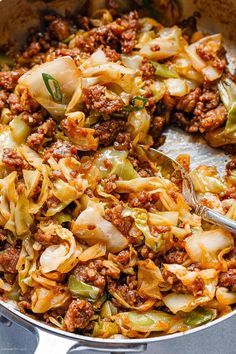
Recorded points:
16,17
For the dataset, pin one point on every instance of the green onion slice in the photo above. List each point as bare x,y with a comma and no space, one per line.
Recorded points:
53,87
134,106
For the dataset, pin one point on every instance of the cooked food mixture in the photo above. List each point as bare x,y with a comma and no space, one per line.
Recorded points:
95,235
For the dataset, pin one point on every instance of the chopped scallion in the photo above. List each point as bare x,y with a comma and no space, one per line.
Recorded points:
53,87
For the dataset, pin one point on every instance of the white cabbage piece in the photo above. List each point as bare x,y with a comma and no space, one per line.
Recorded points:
204,247
168,44
61,69
112,73
225,297
212,44
56,255
164,218
91,227
177,87
140,184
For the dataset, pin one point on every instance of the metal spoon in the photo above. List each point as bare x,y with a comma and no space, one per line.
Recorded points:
188,191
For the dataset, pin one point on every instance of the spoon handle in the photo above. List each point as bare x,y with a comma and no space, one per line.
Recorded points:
216,218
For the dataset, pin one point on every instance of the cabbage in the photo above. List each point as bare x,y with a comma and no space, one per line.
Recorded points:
227,89
139,123
26,264
31,180
140,184
140,217
112,73
105,329
65,192
108,310
76,98
218,138
82,290
183,66
211,44
64,71
23,219
93,252
6,140
91,227
164,218
132,61
177,87
203,183
55,255
20,130
204,247
225,297
164,71
44,299
158,89
5,286
168,42
149,279
198,317
34,207
180,302
120,165
31,157
149,321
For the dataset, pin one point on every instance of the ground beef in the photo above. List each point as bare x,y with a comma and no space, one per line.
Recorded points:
13,160
8,79
111,54
3,235
109,184
44,132
32,49
146,252
196,288
175,256
147,69
119,35
78,315
45,239
108,130
60,150
157,125
122,223
123,32
95,273
228,279
97,99
123,141
23,102
188,103
213,119
127,290
143,199
230,193
3,98
231,165
58,27
9,258
123,257
200,110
